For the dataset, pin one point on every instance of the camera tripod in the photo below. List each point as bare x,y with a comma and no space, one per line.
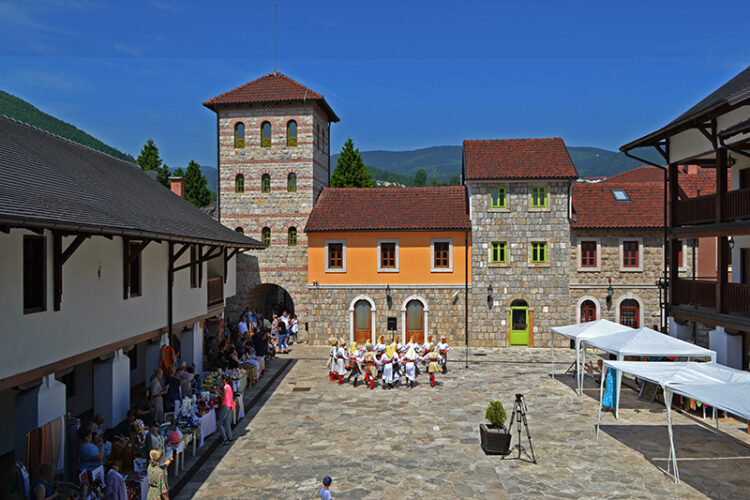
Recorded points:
519,416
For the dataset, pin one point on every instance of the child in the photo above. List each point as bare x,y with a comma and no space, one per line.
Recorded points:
325,492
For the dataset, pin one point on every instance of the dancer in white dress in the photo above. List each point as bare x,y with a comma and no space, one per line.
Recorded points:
410,366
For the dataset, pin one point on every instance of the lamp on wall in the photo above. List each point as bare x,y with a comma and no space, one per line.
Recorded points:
388,297
731,242
489,296
610,294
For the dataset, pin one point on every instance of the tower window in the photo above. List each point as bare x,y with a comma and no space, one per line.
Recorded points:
34,274
292,237
265,135
291,183
240,230
239,183
239,135
266,236
291,134
265,183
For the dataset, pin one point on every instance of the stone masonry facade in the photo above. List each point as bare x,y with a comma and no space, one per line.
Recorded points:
444,311
639,285
278,210
544,287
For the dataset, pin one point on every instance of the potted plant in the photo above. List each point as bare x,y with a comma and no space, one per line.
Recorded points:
495,438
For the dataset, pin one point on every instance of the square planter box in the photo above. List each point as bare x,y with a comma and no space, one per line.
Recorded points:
495,441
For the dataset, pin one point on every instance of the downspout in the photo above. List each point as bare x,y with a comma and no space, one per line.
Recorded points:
218,169
466,295
665,277
170,286
329,154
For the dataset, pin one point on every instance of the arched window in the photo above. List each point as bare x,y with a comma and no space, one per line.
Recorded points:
239,183
266,236
265,135
265,183
588,311
630,313
239,230
239,135
292,237
291,183
291,133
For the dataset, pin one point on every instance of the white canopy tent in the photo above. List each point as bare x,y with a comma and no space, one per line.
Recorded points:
579,333
645,342
715,385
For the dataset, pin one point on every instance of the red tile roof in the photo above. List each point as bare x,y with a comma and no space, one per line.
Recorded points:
390,209
273,87
594,205
518,159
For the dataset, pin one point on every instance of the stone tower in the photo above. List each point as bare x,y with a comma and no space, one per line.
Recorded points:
273,162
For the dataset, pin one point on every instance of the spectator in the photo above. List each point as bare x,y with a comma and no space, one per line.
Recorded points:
123,428
186,381
89,454
325,492
42,487
283,337
294,328
173,388
224,420
157,395
97,426
285,318
116,489
144,409
157,476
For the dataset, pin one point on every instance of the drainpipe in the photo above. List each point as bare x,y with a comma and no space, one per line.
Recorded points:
665,278
329,154
466,295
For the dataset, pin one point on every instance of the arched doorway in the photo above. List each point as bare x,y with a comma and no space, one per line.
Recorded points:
588,311
630,313
362,321
519,322
268,299
415,321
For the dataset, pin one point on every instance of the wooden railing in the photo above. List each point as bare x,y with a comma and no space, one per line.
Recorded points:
736,298
695,292
737,204
215,291
698,210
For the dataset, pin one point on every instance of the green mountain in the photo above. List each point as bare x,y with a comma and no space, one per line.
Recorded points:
19,109
443,162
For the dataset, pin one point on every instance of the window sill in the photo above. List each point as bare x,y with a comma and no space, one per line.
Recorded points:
335,270
386,270
631,269
32,310
499,210
540,264
540,209
589,269
441,270
498,264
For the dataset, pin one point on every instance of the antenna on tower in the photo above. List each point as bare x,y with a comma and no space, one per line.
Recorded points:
276,36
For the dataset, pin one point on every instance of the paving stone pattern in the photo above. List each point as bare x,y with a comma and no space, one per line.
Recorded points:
424,442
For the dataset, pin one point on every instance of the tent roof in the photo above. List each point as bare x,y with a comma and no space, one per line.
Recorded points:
598,328
711,383
648,342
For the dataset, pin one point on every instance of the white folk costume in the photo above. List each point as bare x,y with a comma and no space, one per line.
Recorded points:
354,366
380,346
442,348
386,362
410,366
332,357
341,358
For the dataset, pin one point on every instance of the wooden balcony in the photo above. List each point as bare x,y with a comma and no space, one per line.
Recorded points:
702,209
735,297
215,291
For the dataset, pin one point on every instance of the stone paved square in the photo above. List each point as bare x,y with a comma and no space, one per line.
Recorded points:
424,442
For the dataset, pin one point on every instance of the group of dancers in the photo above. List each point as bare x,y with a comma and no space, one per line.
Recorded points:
387,362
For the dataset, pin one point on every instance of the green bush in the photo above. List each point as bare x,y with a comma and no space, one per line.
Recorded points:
495,413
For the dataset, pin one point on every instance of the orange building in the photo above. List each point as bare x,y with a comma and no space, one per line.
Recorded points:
389,261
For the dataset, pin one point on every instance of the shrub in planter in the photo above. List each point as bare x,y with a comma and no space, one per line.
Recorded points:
494,437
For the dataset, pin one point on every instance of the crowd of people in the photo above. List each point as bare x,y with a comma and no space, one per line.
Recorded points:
387,362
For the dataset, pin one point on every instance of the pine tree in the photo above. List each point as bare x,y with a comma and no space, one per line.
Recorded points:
196,185
350,170
149,159
420,177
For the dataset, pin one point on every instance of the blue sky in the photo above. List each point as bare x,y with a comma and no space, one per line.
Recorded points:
400,74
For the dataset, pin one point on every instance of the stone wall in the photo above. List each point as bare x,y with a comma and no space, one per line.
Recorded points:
543,286
331,316
639,285
278,210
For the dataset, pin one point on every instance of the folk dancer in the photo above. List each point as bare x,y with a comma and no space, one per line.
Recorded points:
414,344
396,361
433,367
380,346
386,363
442,348
370,366
332,357
354,363
428,345
410,366
341,357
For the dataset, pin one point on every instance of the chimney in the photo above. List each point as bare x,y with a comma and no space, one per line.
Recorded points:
692,169
176,184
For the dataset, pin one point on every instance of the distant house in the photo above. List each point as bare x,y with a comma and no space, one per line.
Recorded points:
714,133
101,267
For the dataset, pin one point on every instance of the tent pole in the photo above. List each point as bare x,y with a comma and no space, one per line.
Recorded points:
618,386
583,370
552,348
578,365
601,397
672,455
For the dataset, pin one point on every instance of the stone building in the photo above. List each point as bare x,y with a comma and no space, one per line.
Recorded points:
519,192
273,152
389,261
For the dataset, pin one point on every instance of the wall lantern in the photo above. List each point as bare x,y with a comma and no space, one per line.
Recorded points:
489,296
610,294
388,297
731,242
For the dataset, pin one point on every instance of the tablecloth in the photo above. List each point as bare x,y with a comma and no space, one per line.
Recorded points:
207,426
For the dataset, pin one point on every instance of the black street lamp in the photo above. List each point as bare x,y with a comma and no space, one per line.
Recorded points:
388,298
489,296
610,294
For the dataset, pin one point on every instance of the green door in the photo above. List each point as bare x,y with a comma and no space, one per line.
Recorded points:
519,326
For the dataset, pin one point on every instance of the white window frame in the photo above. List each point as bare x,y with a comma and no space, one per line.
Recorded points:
343,257
597,306
598,266
638,269
684,266
380,260
641,313
448,269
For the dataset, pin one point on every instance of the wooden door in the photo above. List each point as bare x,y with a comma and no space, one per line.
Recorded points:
415,321
362,322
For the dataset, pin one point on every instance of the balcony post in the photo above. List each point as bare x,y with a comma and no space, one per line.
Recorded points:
673,249
721,183
722,262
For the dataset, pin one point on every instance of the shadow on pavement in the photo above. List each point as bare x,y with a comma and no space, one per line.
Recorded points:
711,462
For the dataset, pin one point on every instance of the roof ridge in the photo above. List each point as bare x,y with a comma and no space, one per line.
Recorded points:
71,141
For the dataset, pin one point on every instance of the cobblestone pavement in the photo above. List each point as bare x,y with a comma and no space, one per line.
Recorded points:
424,442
